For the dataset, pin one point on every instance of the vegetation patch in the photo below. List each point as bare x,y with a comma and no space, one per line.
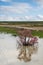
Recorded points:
8,30
13,31
38,33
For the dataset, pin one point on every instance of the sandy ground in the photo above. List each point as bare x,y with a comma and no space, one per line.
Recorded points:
16,26
9,52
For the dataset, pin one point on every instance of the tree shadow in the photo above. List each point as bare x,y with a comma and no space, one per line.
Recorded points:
25,52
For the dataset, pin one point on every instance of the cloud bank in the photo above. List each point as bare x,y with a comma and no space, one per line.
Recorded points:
21,11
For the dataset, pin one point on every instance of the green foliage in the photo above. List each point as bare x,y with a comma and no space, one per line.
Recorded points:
8,30
38,33
14,31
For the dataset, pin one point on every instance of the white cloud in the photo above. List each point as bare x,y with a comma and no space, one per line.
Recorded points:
6,18
28,17
16,18
17,8
19,12
40,3
5,0
40,17
20,18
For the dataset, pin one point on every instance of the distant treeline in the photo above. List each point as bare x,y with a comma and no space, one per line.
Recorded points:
25,23
22,21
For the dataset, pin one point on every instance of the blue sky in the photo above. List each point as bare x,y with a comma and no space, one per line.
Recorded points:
21,10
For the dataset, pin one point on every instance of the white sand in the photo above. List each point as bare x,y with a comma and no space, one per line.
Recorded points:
9,53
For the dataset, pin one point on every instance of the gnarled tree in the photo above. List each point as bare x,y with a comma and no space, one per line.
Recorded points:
24,33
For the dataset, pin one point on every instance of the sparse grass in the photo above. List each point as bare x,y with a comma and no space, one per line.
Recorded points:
8,30
14,31
38,33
